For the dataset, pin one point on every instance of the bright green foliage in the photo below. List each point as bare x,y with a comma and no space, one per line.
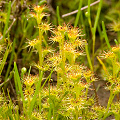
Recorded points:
35,96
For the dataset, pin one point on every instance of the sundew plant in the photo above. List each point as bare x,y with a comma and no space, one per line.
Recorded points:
63,51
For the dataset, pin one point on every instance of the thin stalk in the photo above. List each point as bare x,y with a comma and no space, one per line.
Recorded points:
40,48
47,79
40,102
78,14
93,48
9,78
11,58
86,46
96,96
110,100
86,93
105,35
4,58
83,23
89,19
58,15
88,56
98,15
16,86
10,63
104,67
19,85
109,103
76,109
114,74
114,68
40,63
62,53
93,70
19,48
101,36
94,31
11,110
35,95
49,113
77,91
77,97
83,8
91,67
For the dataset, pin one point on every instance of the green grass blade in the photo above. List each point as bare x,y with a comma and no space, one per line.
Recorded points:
17,79
78,14
4,58
16,86
89,19
11,59
9,110
88,56
94,31
100,32
12,111
105,35
47,79
50,108
97,16
35,95
9,78
7,20
88,10
58,15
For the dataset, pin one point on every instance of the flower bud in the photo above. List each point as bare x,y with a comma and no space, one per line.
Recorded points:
23,70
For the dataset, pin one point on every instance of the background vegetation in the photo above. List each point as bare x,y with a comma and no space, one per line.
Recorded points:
53,67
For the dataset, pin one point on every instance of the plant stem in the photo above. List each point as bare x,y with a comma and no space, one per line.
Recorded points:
58,15
94,30
35,95
89,19
40,63
88,56
93,50
109,103
49,113
11,58
62,53
76,109
78,14
105,35
40,47
118,37
86,92
91,67
94,37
